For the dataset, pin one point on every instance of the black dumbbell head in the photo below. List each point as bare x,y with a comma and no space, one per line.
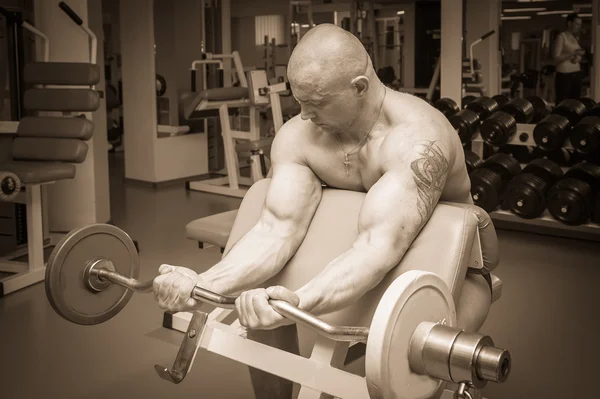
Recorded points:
589,103
570,201
472,161
498,129
486,186
521,109
541,108
551,132
545,169
501,99
572,109
585,136
466,123
483,106
504,164
447,106
525,195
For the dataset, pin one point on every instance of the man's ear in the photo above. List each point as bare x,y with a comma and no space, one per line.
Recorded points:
361,84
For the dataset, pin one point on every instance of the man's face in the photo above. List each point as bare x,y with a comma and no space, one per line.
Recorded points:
332,110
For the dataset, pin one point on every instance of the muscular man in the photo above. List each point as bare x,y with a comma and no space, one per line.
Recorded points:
352,134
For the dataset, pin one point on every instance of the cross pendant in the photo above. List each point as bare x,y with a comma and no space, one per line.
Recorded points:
346,164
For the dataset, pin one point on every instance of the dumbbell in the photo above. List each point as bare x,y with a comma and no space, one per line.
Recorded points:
501,99
585,136
572,109
589,103
561,156
466,123
447,106
498,129
594,111
522,153
520,109
472,161
483,106
551,132
571,200
10,186
541,108
525,194
466,100
489,181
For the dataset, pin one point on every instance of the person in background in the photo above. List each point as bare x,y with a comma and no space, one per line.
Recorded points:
568,55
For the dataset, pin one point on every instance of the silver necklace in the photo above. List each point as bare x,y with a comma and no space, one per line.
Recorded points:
346,160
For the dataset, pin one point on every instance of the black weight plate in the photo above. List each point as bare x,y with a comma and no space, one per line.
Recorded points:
521,109
65,284
571,109
588,102
498,129
472,161
501,99
504,164
569,201
525,196
585,136
447,106
485,188
541,108
551,133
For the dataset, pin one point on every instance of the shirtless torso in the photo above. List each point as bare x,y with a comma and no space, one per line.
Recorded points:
322,153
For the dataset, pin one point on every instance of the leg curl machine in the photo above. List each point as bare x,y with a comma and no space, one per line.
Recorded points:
417,327
46,148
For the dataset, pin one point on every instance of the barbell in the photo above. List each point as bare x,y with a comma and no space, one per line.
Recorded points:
413,346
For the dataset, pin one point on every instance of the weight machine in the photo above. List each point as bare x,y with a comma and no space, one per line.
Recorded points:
46,148
253,94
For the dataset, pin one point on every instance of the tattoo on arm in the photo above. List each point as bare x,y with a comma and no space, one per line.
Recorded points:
429,169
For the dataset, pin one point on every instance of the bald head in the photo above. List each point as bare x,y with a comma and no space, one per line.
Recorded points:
327,57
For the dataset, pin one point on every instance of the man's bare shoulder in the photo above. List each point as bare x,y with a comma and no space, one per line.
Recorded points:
292,141
428,137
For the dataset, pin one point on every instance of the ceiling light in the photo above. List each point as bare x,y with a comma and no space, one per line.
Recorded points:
517,17
533,9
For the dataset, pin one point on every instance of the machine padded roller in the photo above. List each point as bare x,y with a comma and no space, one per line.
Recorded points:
62,73
49,149
62,100
40,172
56,126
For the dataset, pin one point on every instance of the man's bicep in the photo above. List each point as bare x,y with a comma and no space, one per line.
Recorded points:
292,199
402,201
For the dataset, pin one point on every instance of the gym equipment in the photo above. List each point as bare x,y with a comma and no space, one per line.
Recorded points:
595,111
466,123
489,181
483,106
571,109
10,186
551,132
541,108
466,100
522,153
161,85
589,103
501,99
446,106
572,199
521,109
46,148
498,129
422,295
585,136
255,94
472,161
526,193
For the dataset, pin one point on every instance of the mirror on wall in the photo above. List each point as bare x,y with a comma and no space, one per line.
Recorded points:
533,34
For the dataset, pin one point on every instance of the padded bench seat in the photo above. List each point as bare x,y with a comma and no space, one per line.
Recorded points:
213,229
39,172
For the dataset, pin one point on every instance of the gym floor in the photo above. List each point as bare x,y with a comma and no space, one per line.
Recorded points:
547,317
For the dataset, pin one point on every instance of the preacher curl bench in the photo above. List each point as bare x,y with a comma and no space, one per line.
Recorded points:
465,252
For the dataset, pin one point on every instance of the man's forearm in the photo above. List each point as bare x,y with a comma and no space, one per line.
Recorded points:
254,259
345,279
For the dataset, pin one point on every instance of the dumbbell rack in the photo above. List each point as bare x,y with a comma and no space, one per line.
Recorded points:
545,224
